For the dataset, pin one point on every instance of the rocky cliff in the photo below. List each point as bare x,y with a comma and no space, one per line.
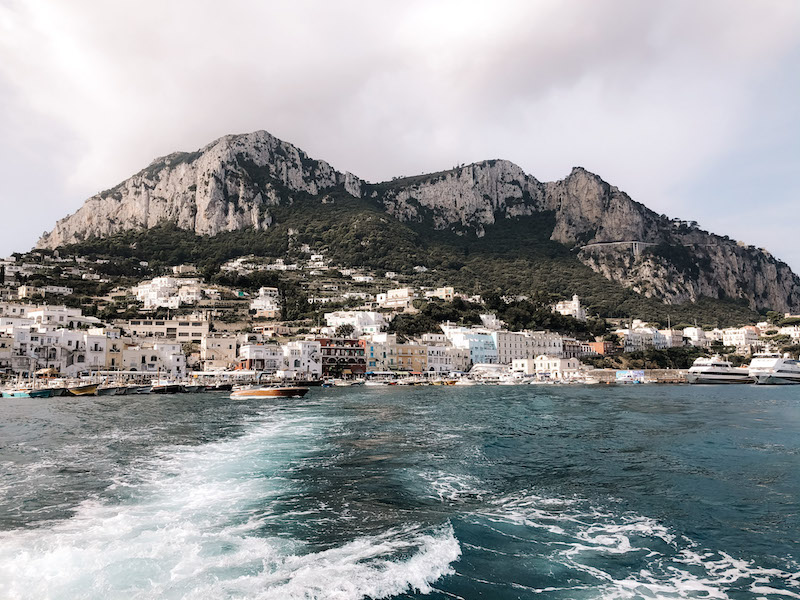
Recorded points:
229,184
234,182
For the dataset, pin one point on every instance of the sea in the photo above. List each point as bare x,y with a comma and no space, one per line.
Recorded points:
546,492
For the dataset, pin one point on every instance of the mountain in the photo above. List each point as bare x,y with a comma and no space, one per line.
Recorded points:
253,181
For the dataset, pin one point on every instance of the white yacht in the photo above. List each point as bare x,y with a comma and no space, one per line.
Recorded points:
715,369
772,368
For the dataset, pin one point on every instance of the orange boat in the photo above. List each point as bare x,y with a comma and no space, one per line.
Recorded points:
269,392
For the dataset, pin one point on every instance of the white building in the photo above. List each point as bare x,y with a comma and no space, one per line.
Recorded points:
168,292
571,308
217,351
191,328
261,357
268,303
396,299
547,367
302,359
164,358
740,337
479,343
512,345
696,337
363,322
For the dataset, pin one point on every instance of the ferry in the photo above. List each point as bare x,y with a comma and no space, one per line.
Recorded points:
716,370
773,369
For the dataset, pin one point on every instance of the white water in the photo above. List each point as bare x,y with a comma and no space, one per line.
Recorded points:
199,523
586,539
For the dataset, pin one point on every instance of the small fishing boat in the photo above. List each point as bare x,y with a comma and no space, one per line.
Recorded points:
27,393
88,389
162,386
269,392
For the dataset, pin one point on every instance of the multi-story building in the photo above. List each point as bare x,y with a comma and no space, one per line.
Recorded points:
302,359
479,342
191,328
740,337
571,308
342,357
261,357
363,322
525,344
164,358
396,299
267,304
217,351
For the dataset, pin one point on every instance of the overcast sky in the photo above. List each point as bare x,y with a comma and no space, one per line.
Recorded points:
693,108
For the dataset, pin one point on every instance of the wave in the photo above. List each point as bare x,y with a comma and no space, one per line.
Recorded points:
613,555
204,522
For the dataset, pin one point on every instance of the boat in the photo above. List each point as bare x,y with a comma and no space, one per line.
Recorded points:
269,392
715,369
771,368
88,389
162,386
194,388
138,389
27,393
219,387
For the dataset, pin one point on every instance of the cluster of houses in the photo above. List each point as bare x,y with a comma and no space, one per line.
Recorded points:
231,329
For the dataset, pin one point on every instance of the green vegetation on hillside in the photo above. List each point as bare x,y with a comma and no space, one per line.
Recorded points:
514,257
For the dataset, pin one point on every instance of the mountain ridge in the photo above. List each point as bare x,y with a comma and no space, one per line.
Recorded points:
237,181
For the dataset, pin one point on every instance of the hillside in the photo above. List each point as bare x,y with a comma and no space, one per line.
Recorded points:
513,257
258,184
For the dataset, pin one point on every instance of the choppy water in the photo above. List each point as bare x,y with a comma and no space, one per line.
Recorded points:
504,492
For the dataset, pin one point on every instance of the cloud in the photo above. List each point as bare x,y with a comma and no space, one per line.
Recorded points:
650,95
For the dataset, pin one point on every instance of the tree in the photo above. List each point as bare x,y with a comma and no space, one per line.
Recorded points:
345,330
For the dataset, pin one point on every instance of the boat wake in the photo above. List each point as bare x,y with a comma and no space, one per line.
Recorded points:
574,550
202,523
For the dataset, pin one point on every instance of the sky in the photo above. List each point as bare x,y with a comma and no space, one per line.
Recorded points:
692,108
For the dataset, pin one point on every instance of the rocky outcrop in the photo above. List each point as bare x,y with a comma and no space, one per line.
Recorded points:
229,184
234,182
465,199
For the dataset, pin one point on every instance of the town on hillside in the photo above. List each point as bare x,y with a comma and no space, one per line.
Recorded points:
71,317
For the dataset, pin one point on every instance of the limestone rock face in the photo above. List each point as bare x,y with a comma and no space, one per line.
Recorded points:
465,198
234,182
229,184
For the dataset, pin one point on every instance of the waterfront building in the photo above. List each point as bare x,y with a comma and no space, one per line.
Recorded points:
525,344
261,357
342,356
302,360
479,343
217,351
164,358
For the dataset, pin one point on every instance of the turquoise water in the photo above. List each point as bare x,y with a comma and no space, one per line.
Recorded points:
484,492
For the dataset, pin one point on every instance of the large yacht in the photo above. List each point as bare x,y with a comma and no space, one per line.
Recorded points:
772,368
715,369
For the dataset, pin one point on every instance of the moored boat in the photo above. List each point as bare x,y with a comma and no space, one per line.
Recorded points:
715,369
269,392
27,393
165,387
89,389
774,369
